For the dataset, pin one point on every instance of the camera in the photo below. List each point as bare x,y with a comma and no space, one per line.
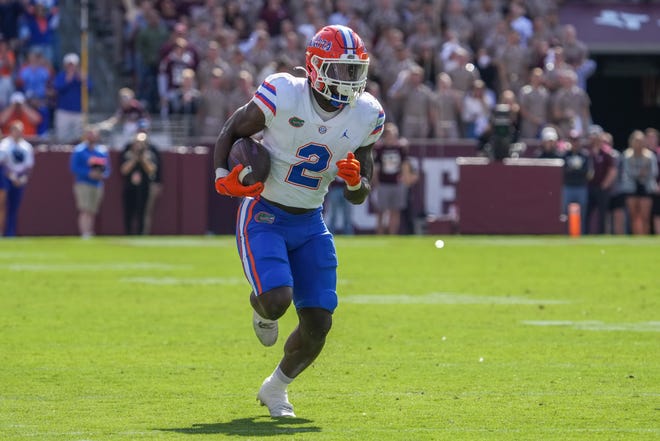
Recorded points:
97,163
501,133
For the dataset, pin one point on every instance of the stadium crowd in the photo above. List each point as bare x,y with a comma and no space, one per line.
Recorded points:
438,66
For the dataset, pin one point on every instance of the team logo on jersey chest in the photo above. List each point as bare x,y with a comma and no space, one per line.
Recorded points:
296,122
322,129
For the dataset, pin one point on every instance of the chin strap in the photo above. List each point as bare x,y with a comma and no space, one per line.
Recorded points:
336,103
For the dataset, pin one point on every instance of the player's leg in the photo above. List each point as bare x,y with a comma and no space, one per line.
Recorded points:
3,205
314,269
14,197
306,341
263,253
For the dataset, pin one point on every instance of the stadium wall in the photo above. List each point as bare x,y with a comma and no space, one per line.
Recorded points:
493,198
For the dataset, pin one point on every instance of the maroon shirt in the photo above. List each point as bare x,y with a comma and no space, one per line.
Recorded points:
390,159
603,161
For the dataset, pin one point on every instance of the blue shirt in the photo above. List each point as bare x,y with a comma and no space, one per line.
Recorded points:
83,159
35,79
69,95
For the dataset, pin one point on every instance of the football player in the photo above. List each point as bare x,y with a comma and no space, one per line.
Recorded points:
315,128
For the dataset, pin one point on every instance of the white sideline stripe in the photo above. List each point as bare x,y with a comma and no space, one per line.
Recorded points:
92,266
597,325
184,281
444,298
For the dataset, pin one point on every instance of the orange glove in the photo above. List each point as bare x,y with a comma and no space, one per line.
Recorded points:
229,185
349,171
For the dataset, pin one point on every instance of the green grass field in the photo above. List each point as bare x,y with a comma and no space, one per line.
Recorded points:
487,338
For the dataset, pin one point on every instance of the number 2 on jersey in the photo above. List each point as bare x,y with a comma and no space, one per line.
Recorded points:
315,158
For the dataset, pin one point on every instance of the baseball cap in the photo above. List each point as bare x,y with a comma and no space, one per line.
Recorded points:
549,134
17,97
71,58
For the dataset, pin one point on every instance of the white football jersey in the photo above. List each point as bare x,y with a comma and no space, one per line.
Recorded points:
303,147
16,157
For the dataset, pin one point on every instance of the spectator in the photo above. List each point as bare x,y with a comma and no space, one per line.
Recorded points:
617,207
7,65
415,99
462,72
653,143
68,112
243,90
575,51
534,99
570,105
214,105
127,117
549,144
639,182
273,13
211,61
519,22
457,22
34,79
170,79
148,41
16,161
485,22
19,110
578,170
185,99
34,75
512,63
600,185
261,51
138,167
576,55
90,165
446,109
155,184
10,13
508,98
477,106
338,208
487,69
393,175
41,23
384,16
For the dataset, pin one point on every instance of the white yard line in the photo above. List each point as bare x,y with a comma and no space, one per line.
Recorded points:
597,325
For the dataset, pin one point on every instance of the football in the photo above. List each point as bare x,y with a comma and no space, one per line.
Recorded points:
254,157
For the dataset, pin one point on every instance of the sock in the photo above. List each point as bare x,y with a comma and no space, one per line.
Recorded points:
278,380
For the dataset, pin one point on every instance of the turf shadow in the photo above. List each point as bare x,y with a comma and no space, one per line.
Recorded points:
255,426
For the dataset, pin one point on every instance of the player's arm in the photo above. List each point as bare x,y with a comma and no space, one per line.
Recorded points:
245,121
357,192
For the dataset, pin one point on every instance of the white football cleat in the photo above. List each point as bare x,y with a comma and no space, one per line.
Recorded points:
276,400
266,330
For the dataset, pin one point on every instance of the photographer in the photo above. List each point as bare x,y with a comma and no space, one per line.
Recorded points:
16,162
20,110
90,164
138,167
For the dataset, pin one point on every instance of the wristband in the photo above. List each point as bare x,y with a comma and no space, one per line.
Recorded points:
354,187
220,173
